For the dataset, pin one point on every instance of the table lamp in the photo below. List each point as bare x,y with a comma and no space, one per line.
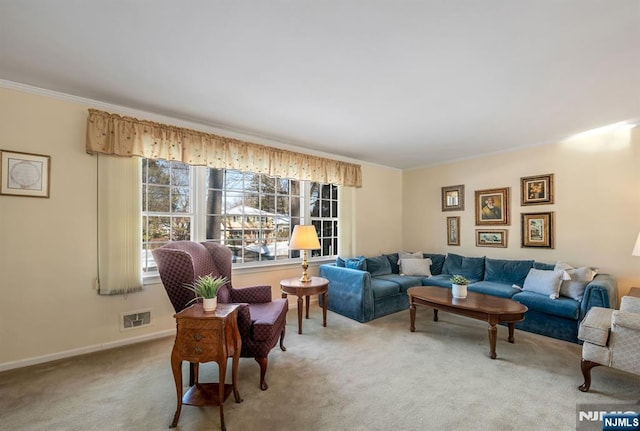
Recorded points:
304,237
636,248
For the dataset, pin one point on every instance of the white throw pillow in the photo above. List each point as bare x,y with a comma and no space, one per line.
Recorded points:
418,267
575,280
543,282
406,255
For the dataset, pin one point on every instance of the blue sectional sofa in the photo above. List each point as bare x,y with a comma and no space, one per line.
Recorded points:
373,287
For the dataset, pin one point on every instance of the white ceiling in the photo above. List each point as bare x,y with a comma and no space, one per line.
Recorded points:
399,83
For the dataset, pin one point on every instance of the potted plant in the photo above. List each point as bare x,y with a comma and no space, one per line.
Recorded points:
459,286
206,287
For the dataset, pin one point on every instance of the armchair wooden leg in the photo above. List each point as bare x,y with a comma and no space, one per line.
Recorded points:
263,371
586,367
284,349
192,373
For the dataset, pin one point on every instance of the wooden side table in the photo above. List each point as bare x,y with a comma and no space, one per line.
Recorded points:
315,286
206,337
635,291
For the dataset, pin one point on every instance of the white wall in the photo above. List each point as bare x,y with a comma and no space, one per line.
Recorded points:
597,203
49,307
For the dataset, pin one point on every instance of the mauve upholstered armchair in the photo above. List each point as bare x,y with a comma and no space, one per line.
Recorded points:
261,321
611,338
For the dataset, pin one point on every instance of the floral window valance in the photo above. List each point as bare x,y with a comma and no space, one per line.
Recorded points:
113,134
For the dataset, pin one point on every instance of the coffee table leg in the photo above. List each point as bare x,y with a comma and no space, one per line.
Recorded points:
493,333
435,314
300,314
412,317
511,330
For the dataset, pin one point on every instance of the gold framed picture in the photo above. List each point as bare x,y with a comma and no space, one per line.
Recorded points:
453,230
492,206
453,198
536,190
538,230
491,237
24,174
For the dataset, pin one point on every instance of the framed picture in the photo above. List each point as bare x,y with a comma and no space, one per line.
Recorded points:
492,206
536,190
453,198
24,174
453,230
537,230
491,237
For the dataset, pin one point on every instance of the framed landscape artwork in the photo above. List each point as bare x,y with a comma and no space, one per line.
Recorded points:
453,198
453,230
536,190
491,237
537,230
492,206
24,174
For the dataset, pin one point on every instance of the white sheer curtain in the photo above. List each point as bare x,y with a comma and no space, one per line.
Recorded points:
119,225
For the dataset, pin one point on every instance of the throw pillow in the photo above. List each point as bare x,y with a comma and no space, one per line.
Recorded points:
405,255
417,267
575,282
356,263
543,282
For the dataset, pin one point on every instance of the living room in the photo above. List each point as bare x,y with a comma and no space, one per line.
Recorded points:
49,245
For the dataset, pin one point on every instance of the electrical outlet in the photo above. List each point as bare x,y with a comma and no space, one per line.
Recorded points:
135,319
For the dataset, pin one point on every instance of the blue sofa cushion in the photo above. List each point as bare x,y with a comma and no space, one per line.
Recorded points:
437,262
440,280
470,267
378,265
358,262
393,260
544,266
507,271
562,307
502,290
382,288
404,281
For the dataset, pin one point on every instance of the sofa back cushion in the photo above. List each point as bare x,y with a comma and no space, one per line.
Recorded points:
470,267
393,260
378,265
437,262
507,271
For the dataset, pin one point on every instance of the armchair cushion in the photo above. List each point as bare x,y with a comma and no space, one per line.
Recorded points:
252,295
626,319
630,303
596,325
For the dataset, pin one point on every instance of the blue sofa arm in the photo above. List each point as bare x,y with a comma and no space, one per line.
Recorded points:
601,292
349,292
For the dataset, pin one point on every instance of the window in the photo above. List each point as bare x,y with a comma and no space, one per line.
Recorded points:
252,214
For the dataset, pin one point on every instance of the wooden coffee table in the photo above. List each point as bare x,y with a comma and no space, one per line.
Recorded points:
491,309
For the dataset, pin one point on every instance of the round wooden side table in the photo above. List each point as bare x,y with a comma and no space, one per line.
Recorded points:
315,286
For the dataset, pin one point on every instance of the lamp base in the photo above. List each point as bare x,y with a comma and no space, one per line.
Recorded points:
305,278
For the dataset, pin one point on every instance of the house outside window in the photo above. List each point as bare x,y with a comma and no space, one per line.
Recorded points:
250,213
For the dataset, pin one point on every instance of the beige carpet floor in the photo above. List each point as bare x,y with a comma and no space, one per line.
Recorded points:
348,376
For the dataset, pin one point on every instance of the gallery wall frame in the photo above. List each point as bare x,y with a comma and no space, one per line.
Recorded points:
491,237
492,206
536,190
453,230
538,230
453,198
24,174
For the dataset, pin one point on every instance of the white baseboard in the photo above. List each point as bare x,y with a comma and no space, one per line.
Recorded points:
84,350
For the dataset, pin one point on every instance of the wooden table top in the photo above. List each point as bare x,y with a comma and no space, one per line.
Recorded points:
473,302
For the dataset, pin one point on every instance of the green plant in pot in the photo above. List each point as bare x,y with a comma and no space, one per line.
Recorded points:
206,287
459,286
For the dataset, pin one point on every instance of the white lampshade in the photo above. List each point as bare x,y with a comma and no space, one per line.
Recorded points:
304,237
636,248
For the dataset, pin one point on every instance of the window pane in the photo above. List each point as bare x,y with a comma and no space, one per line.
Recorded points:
159,200
180,199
